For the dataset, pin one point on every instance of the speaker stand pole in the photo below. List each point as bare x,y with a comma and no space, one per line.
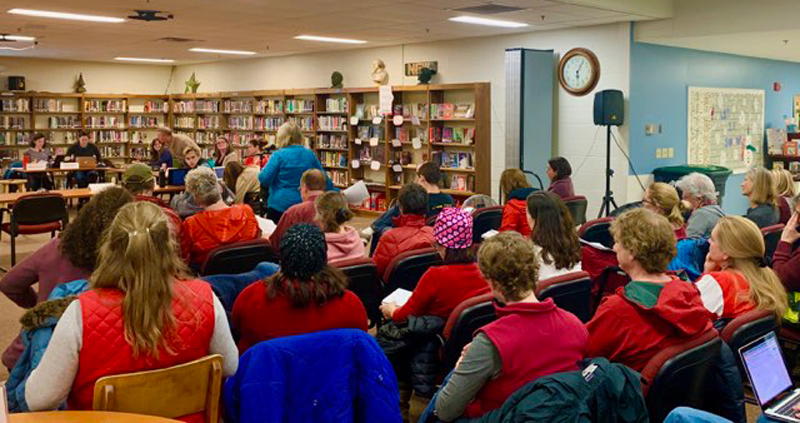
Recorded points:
608,198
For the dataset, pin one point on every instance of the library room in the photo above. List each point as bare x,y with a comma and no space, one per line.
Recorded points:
399,211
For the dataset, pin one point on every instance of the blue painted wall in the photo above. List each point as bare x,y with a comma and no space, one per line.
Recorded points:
660,77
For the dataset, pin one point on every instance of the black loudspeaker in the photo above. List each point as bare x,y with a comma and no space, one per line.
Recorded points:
608,108
16,83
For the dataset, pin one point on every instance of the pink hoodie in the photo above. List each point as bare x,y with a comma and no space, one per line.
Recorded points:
344,246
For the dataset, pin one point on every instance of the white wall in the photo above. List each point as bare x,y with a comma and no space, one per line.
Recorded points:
106,78
466,60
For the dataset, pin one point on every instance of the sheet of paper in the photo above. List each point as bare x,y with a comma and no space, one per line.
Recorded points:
490,233
376,120
397,168
373,142
385,98
400,296
375,165
354,120
397,120
267,226
396,143
355,164
415,120
357,141
416,143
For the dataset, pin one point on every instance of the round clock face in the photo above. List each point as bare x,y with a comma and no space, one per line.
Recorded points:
579,71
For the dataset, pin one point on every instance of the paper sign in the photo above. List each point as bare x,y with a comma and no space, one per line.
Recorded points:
73,165
414,120
385,98
397,120
375,165
36,166
396,143
397,168
354,120
357,193
355,164
416,143
373,142
357,141
376,120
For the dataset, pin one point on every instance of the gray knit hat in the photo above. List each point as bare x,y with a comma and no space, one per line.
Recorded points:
303,251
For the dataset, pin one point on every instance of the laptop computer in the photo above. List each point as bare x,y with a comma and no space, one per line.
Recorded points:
176,176
770,378
220,171
86,162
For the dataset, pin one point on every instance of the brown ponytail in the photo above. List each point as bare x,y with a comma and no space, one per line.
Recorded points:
332,211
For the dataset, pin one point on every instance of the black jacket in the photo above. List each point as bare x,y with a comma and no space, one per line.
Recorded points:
416,342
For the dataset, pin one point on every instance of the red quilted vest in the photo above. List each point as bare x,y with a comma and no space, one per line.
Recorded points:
105,352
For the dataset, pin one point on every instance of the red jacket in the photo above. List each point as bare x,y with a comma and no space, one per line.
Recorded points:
515,212
259,318
298,213
409,233
518,327
208,230
441,289
177,225
105,352
786,263
643,318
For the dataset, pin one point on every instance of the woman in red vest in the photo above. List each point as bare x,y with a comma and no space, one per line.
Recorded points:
142,313
503,355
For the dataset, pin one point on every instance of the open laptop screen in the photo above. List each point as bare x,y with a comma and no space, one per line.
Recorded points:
176,176
766,368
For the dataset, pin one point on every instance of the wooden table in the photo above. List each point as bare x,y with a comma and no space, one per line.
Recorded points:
84,417
80,169
5,184
82,193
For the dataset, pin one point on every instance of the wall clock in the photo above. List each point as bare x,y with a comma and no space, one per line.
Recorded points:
579,71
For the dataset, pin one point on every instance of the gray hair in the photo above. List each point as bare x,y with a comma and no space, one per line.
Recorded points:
202,183
289,134
698,185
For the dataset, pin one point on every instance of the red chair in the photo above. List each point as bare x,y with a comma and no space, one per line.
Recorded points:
571,292
407,268
597,231
239,257
772,235
577,205
466,318
484,220
363,280
677,375
34,214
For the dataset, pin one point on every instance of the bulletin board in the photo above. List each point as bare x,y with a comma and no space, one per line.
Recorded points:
726,127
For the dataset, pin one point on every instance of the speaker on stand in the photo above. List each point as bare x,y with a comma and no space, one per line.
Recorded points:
608,111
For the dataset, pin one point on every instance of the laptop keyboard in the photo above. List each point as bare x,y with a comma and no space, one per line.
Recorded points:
788,409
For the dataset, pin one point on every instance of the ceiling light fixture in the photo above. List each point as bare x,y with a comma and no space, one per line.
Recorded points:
143,59
6,37
488,22
329,39
213,50
62,15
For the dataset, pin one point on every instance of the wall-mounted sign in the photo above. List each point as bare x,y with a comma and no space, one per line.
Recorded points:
414,68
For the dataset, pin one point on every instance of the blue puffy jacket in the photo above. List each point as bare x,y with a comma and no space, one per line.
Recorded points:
330,376
228,287
282,175
691,257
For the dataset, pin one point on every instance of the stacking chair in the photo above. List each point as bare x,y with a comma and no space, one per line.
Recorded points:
747,328
407,268
34,214
484,220
362,275
466,318
772,235
571,292
577,208
239,257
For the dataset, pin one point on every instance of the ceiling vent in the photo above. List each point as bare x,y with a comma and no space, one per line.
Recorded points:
150,16
489,9
179,40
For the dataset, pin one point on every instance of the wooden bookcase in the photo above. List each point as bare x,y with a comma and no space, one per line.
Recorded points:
451,123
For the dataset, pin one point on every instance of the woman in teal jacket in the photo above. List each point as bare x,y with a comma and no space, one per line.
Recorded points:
284,169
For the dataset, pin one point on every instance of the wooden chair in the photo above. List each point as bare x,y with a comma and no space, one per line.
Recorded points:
177,391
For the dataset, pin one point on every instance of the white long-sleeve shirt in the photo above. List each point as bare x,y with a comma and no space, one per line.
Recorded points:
49,384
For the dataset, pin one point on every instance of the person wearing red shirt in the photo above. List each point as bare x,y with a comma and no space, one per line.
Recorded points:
736,279
516,189
653,311
254,155
218,224
312,185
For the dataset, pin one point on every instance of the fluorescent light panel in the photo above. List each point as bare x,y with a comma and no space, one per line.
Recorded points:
61,15
488,22
143,59
16,38
213,50
329,39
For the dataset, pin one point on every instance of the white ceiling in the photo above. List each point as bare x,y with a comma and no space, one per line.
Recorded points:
267,27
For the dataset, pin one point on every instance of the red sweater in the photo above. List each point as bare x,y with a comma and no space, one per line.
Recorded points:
298,213
786,263
441,289
259,318
515,217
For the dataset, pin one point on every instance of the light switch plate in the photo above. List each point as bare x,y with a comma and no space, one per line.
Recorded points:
659,153
670,153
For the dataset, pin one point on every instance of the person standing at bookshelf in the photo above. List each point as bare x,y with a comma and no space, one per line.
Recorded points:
176,143
284,170
84,148
39,152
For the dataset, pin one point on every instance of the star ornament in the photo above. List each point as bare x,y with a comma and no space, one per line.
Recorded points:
192,84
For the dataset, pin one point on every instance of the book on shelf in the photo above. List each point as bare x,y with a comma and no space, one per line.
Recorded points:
305,123
186,106
452,111
264,123
13,122
269,106
332,123
63,122
207,106
332,141
336,105
144,122
296,105
105,106
11,105
238,106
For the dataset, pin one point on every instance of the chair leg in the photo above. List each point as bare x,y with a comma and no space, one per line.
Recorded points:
13,250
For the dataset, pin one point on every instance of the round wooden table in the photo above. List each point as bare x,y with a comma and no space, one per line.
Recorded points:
84,417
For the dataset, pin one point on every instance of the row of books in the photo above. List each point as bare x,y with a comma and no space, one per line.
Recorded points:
376,201
13,122
332,123
454,159
144,122
336,105
452,135
407,110
206,106
13,138
142,137
297,105
267,123
183,107
269,106
105,122
15,105
112,151
153,106
332,141
106,106
305,123
184,122
459,183
63,122
364,111
108,136
237,106
48,105
209,122
367,154
404,134
364,133
402,157
339,177
452,111
332,158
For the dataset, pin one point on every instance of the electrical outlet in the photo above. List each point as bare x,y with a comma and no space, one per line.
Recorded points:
670,153
659,153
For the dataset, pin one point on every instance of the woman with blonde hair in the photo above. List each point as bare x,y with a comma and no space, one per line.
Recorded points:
663,199
759,188
784,187
332,214
142,313
285,168
515,189
736,278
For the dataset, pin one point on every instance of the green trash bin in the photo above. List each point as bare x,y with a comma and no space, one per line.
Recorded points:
718,174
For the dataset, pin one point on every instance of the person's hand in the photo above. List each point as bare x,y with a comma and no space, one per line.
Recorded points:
796,410
463,353
790,233
388,310
710,265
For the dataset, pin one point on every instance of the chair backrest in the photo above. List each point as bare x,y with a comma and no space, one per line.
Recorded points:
362,275
466,318
34,209
677,375
772,235
239,257
479,201
571,292
598,230
176,391
747,328
484,220
577,208
407,268
610,279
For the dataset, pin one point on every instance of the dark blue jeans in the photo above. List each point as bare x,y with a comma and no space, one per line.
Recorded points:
84,178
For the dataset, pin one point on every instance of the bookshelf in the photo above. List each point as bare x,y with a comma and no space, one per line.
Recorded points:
449,124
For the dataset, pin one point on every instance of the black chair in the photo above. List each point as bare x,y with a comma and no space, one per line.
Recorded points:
677,376
610,279
571,292
239,257
362,275
747,328
407,268
772,235
469,316
484,220
577,208
34,214
598,231
253,199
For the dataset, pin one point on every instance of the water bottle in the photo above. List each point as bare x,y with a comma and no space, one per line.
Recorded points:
162,178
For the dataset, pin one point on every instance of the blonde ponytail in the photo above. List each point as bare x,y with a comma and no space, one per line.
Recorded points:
665,197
